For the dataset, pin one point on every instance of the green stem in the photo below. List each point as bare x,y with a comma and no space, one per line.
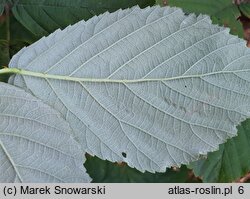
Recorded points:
105,80
9,70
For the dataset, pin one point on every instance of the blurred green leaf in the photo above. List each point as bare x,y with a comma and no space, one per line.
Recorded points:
38,18
5,77
4,36
231,162
2,4
222,12
245,8
13,37
4,52
18,33
104,171
43,17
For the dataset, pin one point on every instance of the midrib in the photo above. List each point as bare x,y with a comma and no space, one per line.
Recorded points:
106,80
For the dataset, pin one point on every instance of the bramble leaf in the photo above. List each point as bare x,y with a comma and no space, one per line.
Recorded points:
36,144
43,17
152,87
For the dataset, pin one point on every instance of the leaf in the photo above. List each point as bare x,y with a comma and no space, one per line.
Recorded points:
105,172
13,37
4,52
152,87
43,17
217,168
231,161
245,20
245,8
2,4
222,12
36,144
5,77
4,36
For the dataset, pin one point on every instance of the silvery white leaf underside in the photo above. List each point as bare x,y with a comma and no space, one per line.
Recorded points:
36,144
189,89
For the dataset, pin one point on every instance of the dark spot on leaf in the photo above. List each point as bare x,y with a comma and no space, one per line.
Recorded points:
124,155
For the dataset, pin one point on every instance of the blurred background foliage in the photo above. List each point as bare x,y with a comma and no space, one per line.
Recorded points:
22,22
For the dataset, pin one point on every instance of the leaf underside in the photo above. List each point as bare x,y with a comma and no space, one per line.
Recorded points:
199,96
30,148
